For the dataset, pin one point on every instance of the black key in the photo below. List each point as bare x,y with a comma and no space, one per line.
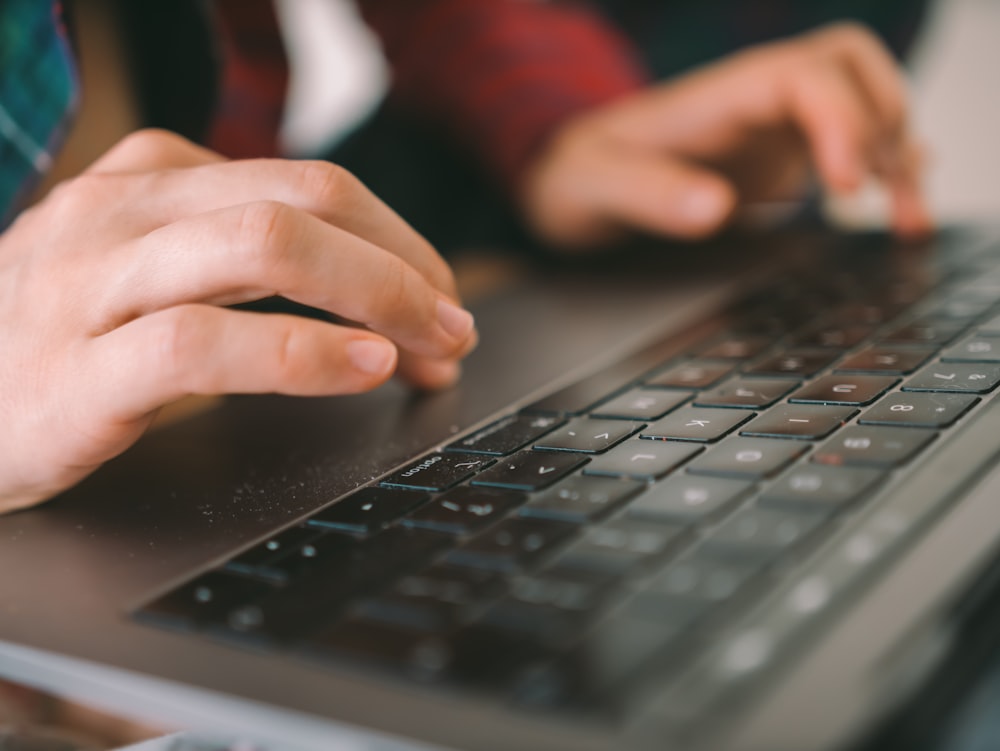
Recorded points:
797,363
466,509
436,598
642,460
819,488
925,331
703,578
885,359
919,410
687,499
802,421
619,547
641,404
507,435
368,510
335,577
750,458
970,378
745,393
759,534
965,308
294,562
837,337
530,470
255,559
438,471
978,348
512,545
847,389
581,499
206,598
691,374
587,435
735,347
696,424
875,446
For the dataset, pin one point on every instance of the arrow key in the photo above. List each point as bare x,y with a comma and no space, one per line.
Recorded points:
530,470
588,436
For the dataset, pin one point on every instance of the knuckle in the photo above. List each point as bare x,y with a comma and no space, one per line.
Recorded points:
396,290
264,232
82,195
329,183
849,34
150,144
175,342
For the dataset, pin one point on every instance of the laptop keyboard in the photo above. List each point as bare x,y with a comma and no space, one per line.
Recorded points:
686,528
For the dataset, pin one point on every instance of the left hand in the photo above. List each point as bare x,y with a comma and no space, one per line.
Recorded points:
681,158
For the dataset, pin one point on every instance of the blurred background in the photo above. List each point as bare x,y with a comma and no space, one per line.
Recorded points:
339,76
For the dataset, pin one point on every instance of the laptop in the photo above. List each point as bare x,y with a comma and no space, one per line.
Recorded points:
729,496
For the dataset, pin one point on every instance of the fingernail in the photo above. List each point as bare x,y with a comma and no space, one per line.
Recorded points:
371,356
454,320
701,206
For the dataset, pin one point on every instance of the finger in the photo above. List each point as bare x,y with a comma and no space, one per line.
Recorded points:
201,349
258,250
324,190
429,373
911,216
152,149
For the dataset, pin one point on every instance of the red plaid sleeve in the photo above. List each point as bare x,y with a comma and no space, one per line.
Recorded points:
501,75
253,82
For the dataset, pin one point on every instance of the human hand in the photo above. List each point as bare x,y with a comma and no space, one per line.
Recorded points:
113,286
681,158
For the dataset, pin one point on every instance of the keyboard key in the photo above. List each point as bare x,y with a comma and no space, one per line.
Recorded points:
530,470
762,535
735,347
816,487
696,424
936,332
979,348
687,499
620,547
798,363
703,578
507,435
885,359
745,393
692,374
255,559
836,337
512,545
750,458
205,598
969,378
588,436
876,446
801,421
581,499
641,404
919,410
368,510
847,389
642,460
438,471
465,509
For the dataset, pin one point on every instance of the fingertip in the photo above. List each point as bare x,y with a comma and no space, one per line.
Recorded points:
433,375
372,357
705,207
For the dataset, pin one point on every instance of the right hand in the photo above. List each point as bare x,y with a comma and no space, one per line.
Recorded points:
114,287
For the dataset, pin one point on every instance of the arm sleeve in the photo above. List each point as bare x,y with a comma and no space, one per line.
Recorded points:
499,76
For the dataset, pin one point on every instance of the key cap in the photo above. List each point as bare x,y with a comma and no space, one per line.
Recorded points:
438,471
367,510
703,578
745,393
696,424
512,545
978,348
588,435
855,390
642,460
465,509
619,547
972,378
885,359
796,362
205,598
687,499
918,410
530,470
750,458
819,488
255,560
735,347
835,337
507,435
759,534
691,374
805,422
925,331
641,404
877,446
581,499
